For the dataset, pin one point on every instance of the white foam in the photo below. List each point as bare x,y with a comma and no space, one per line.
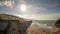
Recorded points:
40,26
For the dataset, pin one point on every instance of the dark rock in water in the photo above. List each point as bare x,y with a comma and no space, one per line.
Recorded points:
10,24
57,24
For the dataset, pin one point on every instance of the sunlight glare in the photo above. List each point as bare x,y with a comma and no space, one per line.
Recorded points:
23,7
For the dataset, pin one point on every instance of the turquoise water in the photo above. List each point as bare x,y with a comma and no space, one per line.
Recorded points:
48,22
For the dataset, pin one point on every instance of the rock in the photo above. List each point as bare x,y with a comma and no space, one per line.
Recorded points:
10,24
56,27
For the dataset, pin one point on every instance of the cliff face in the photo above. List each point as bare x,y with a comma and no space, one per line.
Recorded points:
10,24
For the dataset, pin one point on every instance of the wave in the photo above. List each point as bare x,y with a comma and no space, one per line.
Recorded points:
40,26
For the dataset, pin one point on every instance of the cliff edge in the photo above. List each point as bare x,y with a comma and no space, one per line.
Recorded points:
10,24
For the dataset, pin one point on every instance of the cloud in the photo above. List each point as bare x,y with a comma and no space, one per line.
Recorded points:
34,12
54,16
36,9
44,5
7,3
1,3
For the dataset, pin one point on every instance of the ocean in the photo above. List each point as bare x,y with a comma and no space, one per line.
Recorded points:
42,24
48,22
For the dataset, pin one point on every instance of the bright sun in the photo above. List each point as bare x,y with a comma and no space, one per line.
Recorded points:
23,7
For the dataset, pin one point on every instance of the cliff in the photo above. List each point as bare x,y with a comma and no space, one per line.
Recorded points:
11,24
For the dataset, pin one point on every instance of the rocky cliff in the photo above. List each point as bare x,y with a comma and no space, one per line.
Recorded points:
10,24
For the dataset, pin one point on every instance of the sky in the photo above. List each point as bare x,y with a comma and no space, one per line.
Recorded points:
32,9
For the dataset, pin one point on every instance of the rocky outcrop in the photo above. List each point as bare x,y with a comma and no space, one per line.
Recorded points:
10,24
56,27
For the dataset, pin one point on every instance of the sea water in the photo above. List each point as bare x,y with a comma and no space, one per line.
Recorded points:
48,22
